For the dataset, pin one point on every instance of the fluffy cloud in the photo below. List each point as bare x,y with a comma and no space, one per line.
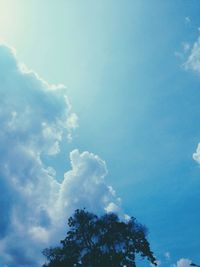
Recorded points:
183,263
34,206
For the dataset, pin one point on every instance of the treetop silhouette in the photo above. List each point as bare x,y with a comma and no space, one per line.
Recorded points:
100,241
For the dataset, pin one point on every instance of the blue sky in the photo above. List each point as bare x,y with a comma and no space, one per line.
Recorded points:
131,71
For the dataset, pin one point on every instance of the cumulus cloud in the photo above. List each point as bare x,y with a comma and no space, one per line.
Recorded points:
182,263
34,206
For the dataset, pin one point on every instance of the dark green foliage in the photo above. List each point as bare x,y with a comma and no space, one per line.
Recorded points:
104,241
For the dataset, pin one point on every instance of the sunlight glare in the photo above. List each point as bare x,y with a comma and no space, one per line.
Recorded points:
9,20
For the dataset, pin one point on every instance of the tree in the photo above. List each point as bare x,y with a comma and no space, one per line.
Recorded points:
104,241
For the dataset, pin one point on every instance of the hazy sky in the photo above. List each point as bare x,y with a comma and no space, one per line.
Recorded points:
132,75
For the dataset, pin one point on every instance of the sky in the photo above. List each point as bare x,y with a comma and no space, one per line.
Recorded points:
100,109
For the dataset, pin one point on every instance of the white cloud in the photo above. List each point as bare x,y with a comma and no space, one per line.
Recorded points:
193,61
72,124
84,185
112,207
182,263
196,155
34,206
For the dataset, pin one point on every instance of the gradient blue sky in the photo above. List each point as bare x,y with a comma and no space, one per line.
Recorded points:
130,81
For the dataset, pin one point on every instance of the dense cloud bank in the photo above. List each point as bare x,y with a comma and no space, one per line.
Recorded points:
34,206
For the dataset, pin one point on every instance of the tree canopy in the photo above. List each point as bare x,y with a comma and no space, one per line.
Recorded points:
100,241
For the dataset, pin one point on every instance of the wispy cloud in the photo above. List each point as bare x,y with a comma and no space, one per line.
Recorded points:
187,20
183,53
167,255
186,47
193,61
34,206
196,155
